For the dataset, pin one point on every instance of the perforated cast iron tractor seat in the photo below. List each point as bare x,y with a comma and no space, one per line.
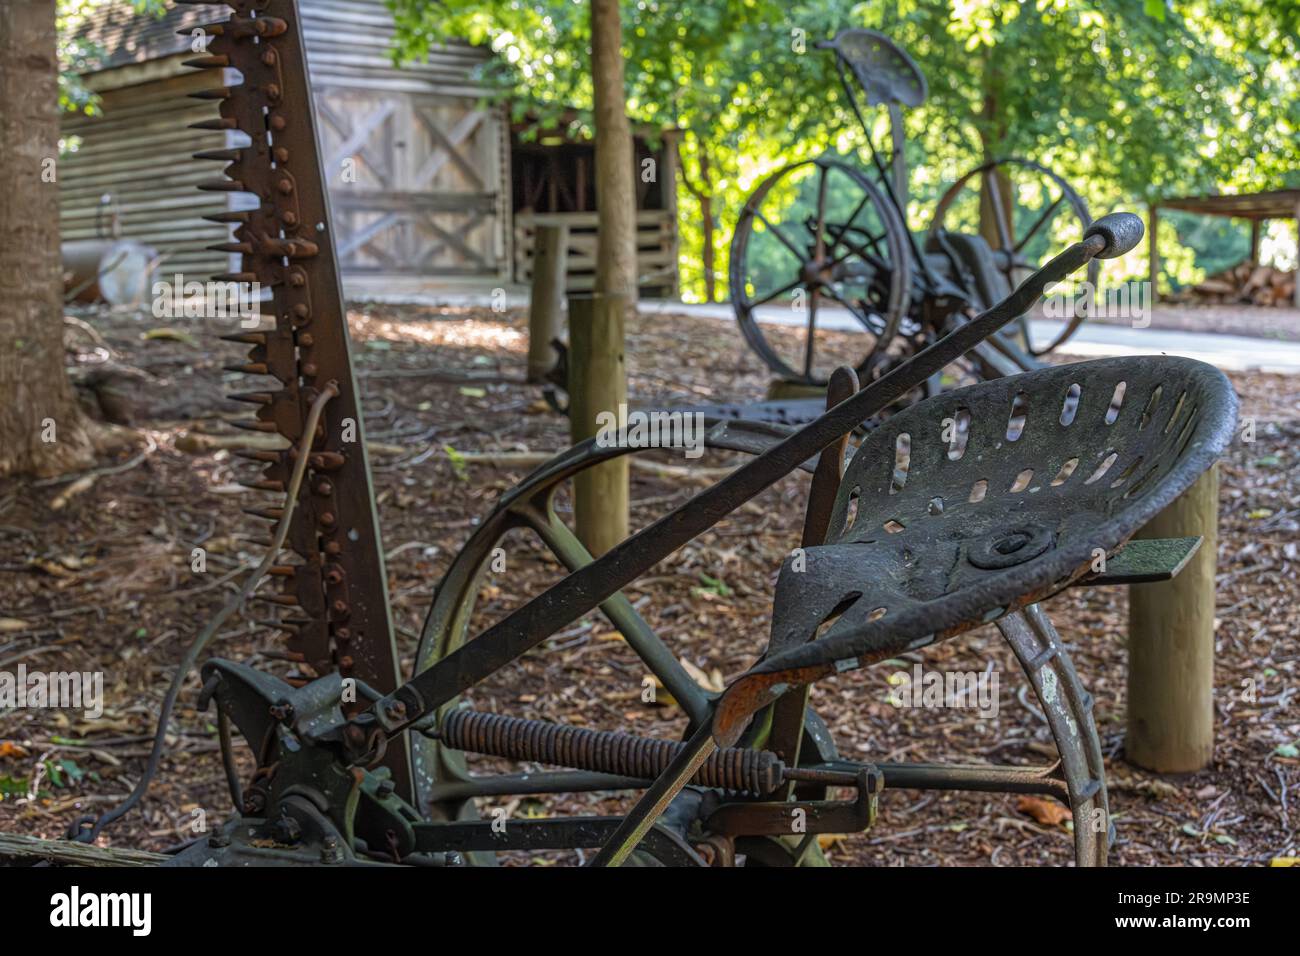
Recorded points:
979,501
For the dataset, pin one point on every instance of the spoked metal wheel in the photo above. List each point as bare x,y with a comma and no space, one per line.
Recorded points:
1068,710
444,786
815,236
1028,211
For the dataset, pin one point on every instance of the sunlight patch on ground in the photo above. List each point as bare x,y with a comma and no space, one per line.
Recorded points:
461,333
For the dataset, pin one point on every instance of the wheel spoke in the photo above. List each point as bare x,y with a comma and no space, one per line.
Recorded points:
772,295
801,256
1038,224
819,242
866,198
564,544
999,212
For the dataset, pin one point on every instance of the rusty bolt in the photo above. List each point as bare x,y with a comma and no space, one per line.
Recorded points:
281,711
309,369
286,830
285,186
324,488
345,662
395,710
277,122
332,547
340,607
334,576
330,852
281,154
272,91
305,340
300,311
297,279
326,517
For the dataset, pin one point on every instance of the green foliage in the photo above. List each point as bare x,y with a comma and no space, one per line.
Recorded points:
1127,99
76,54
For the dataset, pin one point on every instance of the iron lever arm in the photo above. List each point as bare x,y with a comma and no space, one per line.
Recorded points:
584,589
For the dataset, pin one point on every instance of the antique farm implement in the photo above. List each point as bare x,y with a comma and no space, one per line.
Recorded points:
918,539
825,234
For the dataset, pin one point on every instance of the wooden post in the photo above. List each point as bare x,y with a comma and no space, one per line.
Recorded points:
1171,644
598,383
546,305
1153,251
1297,236
1254,242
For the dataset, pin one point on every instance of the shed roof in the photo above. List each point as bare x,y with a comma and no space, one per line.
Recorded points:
124,35
348,34
1277,204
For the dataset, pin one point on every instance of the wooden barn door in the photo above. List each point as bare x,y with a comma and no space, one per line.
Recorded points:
414,182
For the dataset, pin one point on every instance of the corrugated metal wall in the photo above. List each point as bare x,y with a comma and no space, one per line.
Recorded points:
137,153
127,158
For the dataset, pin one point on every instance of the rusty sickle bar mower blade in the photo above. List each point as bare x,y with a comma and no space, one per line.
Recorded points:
334,592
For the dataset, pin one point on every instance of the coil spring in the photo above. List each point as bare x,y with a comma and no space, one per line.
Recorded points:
757,772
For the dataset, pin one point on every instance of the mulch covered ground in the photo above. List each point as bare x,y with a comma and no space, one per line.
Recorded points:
101,580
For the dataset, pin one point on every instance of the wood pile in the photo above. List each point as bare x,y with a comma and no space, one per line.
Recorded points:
1245,283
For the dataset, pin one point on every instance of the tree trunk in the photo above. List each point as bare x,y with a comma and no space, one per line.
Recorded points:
995,187
704,196
41,427
616,269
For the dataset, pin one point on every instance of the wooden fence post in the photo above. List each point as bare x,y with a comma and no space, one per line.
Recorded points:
550,261
598,383
1171,644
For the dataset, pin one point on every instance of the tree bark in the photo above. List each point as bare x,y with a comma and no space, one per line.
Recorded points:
616,269
42,430
704,196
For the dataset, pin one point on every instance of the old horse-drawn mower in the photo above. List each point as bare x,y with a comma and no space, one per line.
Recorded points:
827,233
919,538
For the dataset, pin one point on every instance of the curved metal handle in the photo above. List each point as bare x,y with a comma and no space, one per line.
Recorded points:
1121,230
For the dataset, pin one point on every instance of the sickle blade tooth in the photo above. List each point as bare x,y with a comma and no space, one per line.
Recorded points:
292,657
251,368
215,62
267,427
241,217
269,514
260,456
252,398
245,338
222,186
284,600
216,93
220,123
220,155
235,277
243,248
264,484
282,570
